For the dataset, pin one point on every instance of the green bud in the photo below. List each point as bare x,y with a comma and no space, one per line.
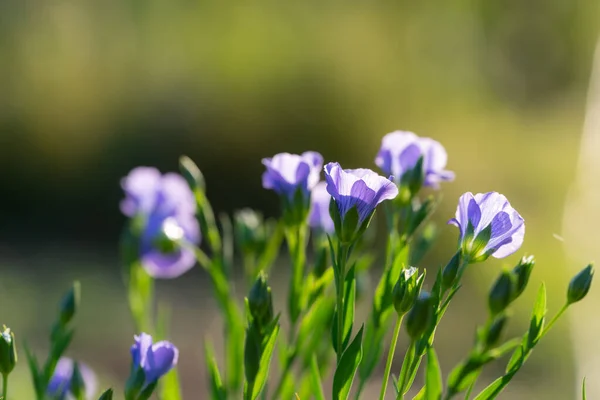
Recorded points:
413,179
420,316
450,271
250,231
77,384
260,301
190,171
406,290
108,395
8,351
69,304
501,293
580,284
295,210
522,272
495,330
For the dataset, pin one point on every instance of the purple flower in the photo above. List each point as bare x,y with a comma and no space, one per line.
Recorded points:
167,207
286,173
319,217
60,383
360,188
488,226
155,359
401,150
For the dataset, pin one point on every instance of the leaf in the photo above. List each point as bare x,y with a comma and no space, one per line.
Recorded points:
346,369
349,300
538,314
218,392
169,386
36,376
433,377
494,388
265,262
227,242
315,376
265,361
108,395
583,395
421,394
313,326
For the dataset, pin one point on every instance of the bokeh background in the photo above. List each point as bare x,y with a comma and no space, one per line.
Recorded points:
90,89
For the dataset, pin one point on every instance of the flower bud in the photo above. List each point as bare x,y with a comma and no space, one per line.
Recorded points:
250,231
8,351
501,293
190,171
495,330
69,304
522,272
406,290
450,271
580,284
414,178
420,316
77,384
260,301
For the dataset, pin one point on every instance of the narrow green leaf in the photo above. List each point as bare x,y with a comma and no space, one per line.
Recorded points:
538,314
349,304
108,395
433,377
218,391
265,361
346,369
421,394
315,376
267,258
494,388
169,385
583,395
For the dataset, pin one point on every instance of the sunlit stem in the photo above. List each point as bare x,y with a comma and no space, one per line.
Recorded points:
554,319
4,385
342,256
388,365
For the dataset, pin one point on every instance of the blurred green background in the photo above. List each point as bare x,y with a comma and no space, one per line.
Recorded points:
90,89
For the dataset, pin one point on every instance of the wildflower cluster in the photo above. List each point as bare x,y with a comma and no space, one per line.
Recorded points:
171,227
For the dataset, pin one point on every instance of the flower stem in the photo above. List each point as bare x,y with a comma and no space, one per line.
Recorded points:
407,367
341,276
4,386
554,319
388,365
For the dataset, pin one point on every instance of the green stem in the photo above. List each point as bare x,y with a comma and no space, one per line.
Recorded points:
407,367
341,276
554,319
388,365
4,386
